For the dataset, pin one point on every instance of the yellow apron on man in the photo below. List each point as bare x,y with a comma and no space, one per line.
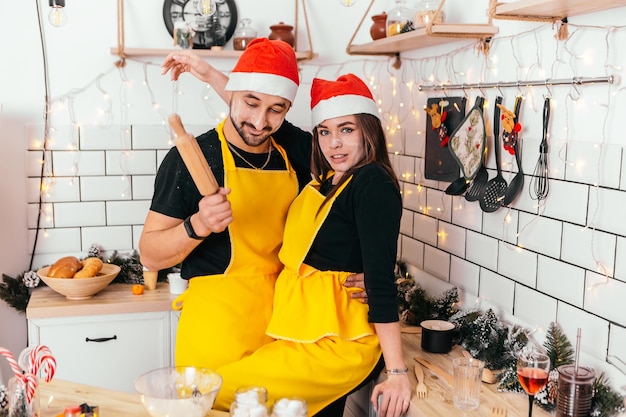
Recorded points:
224,317
325,346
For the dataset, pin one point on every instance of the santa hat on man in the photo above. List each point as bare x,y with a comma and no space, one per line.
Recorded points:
348,95
267,67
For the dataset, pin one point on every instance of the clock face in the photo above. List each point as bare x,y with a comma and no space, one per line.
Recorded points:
210,31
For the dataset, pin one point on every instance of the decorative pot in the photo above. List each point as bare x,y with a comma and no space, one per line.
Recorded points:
282,32
379,27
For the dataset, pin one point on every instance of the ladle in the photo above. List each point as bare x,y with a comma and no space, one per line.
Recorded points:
517,183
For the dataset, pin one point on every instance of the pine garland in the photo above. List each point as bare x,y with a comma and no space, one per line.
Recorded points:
14,292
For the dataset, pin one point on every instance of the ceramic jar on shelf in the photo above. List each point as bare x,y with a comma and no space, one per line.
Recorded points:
378,30
283,32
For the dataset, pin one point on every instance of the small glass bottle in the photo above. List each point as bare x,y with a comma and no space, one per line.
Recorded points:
425,13
244,35
289,407
399,19
250,402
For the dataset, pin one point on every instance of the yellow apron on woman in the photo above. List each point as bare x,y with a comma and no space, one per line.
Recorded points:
325,346
224,317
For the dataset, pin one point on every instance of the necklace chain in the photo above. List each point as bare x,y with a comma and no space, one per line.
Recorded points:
267,161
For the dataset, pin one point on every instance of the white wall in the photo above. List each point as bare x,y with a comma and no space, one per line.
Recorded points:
100,192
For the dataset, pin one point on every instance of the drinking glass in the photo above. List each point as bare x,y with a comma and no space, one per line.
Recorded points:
533,368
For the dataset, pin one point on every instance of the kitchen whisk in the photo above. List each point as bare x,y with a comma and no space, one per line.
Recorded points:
539,183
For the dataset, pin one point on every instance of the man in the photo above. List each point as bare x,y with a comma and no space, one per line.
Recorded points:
228,242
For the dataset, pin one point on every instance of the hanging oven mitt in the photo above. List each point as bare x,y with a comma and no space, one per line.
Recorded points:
467,142
443,114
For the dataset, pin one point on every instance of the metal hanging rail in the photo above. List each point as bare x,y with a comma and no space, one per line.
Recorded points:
547,83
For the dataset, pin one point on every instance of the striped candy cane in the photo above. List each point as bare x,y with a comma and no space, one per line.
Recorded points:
41,355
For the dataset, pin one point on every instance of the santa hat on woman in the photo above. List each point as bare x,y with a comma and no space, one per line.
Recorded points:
267,67
348,95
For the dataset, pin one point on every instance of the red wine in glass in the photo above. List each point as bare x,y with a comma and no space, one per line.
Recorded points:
533,368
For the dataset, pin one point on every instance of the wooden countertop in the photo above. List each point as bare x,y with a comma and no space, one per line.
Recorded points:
439,401
56,395
114,299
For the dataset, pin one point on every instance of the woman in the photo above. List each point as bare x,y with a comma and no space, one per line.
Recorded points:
345,221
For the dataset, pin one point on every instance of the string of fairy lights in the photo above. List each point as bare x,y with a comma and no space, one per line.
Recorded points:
399,99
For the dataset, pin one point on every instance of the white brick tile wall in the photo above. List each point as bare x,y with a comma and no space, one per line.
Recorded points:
414,197
540,234
34,161
105,188
592,163
151,137
482,250
496,292
561,280
395,140
425,229
501,224
126,212
143,187
451,239
56,189
79,214
464,275
78,163
102,138
56,240
136,235
118,237
605,297
439,204
542,312
466,214
518,264
580,245
620,259
437,262
594,330
567,201
405,168
617,346
131,162
412,251
414,143
605,207
46,220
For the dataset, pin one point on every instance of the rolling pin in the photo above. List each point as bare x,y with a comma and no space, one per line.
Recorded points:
193,158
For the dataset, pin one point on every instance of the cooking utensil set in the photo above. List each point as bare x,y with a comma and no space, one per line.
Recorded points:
468,146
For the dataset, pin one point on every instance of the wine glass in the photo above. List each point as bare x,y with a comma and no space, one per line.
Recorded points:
533,368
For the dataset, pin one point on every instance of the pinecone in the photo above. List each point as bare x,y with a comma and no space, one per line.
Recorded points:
94,251
30,279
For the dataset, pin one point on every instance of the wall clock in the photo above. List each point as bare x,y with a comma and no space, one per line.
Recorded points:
213,30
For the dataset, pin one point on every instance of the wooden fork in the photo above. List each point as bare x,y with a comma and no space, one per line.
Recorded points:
498,412
420,389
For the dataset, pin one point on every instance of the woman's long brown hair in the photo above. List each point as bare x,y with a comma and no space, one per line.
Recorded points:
375,151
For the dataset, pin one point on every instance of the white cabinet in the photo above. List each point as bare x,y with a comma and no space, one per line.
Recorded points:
102,342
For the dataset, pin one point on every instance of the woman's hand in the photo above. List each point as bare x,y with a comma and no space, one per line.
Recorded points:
396,394
185,61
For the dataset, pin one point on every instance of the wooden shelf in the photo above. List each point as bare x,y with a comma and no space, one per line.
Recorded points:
554,8
419,38
207,53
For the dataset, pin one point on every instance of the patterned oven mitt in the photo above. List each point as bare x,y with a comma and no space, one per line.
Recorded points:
467,142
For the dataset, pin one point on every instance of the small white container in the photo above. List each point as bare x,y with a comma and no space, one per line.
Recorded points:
178,285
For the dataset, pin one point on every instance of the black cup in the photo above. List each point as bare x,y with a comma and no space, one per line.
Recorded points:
437,336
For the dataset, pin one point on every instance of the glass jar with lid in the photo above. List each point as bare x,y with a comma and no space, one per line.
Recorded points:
426,11
244,35
399,19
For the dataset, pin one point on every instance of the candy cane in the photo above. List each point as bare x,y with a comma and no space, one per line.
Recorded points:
11,359
41,355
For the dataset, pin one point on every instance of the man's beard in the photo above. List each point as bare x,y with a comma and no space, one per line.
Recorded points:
250,141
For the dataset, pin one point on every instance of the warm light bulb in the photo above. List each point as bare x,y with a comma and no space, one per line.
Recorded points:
57,15
347,3
206,7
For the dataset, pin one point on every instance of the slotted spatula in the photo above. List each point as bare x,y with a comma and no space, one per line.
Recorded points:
491,199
